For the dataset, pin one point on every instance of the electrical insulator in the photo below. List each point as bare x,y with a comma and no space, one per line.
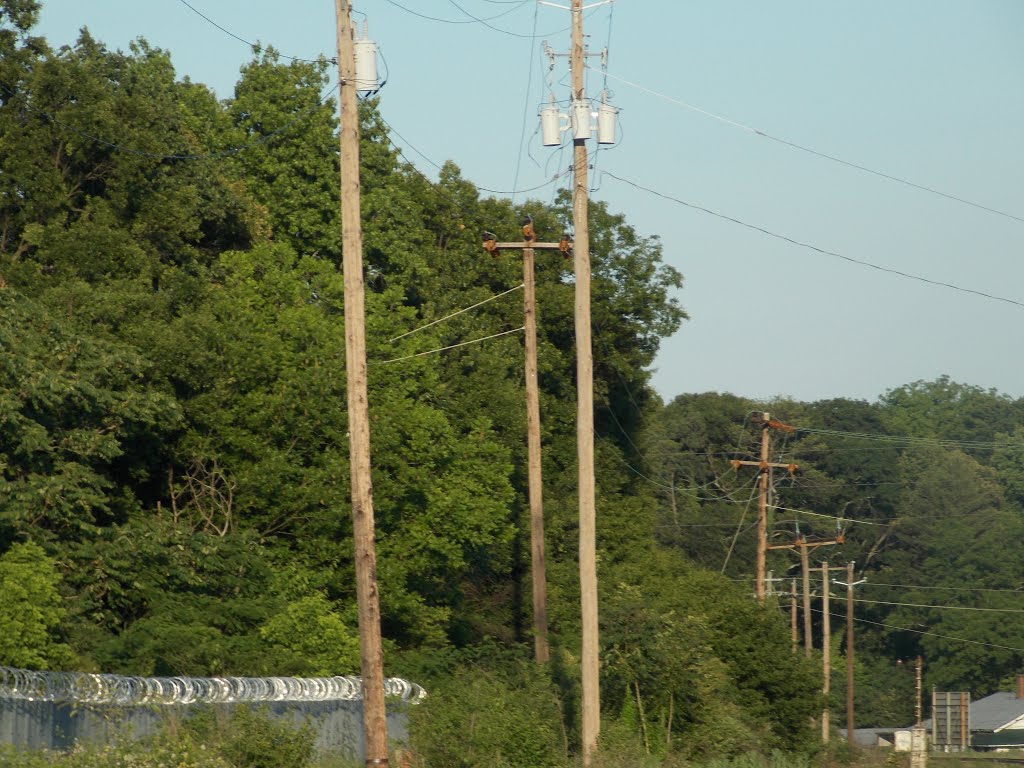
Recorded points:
580,119
550,125
366,61
607,116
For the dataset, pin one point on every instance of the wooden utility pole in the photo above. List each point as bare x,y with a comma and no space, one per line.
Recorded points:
535,480
918,736
764,467
826,651
805,569
374,722
804,546
792,616
849,584
917,697
849,652
591,705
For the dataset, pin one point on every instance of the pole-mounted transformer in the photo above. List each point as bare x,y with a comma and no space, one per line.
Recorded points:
580,119
366,60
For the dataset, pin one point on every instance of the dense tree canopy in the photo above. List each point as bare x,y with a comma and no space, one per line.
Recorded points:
173,458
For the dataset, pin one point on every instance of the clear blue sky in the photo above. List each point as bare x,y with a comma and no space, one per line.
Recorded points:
929,90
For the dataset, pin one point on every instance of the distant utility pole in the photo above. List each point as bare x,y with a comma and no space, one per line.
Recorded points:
826,650
917,697
372,662
849,584
535,480
764,467
803,546
918,736
792,616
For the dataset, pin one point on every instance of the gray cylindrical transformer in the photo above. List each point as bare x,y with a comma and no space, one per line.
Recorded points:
366,64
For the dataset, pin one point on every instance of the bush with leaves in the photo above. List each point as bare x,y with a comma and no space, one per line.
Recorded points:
477,717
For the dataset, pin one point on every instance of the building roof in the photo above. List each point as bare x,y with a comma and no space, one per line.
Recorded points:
996,711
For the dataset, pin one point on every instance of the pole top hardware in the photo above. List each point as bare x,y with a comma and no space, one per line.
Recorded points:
491,243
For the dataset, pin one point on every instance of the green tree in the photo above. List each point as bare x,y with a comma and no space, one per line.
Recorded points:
31,610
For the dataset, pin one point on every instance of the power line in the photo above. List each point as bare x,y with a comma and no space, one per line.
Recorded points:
817,153
457,312
909,439
526,100
951,589
450,346
831,517
251,44
809,246
924,632
474,20
941,607
391,129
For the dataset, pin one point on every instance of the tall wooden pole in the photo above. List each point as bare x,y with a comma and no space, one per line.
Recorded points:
764,466
806,570
826,651
374,722
792,616
591,709
849,653
916,701
762,512
536,485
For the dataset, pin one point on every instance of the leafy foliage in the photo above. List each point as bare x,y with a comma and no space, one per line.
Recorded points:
172,397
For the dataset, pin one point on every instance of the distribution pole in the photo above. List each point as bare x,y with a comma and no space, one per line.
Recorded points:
918,736
374,722
806,570
764,466
849,652
917,697
804,546
535,481
849,584
792,616
826,650
591,706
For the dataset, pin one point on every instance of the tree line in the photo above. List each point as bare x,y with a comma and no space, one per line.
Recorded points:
174,490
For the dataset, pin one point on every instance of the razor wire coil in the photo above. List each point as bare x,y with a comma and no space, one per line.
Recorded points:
126,690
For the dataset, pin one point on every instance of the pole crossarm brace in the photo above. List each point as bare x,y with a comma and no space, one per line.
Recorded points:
767,424
764,465
527,244
582,8
811,545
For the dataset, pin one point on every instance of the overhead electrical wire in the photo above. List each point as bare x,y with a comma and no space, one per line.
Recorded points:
456,313
809,246
817,153
842,617
1019,591
831,517
941,607
474,20
391,129
526,100
228,32
881,437
450,346
739,528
